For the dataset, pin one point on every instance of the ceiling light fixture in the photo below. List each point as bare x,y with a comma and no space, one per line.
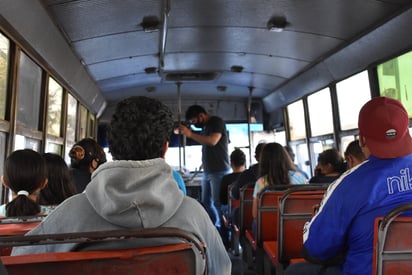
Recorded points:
150,23
236,69
277,24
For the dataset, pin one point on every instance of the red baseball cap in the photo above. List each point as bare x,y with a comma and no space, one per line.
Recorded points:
384,123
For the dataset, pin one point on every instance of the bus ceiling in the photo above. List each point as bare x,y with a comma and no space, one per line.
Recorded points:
108,50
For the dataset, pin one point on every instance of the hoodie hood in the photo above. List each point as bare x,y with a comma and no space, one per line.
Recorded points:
134,194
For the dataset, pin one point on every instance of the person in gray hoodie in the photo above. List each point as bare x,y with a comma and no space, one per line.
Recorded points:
136,190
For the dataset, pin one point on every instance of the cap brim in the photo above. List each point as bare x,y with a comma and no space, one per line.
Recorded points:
390,149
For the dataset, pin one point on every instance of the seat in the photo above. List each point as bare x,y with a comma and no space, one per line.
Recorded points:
392,242
246,203
266,223
15,226
185,254
295,208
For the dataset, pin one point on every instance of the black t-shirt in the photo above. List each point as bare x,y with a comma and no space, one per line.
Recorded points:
216,158
226,181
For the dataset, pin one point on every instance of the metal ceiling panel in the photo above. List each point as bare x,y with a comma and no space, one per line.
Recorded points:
214,35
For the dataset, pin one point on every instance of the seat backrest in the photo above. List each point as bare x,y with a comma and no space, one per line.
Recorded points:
393,242
295,209
246,202
185,255
267,216
17,226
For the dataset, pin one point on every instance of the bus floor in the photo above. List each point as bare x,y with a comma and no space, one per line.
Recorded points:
238,266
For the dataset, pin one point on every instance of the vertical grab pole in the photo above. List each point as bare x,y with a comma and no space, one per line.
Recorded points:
181,138
249,114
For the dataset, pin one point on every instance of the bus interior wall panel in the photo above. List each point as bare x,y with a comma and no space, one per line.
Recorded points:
28,18
352,58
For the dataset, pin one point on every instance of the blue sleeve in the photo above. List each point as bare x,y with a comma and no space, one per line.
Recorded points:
324,237
180,181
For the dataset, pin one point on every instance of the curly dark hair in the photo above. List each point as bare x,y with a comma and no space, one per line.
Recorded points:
139,128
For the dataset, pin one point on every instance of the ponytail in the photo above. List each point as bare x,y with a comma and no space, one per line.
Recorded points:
22,206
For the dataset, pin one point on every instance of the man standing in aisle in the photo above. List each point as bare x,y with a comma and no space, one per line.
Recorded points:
215,156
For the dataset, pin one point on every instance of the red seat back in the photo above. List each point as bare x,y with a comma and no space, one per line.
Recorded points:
185,254
295,209
393,242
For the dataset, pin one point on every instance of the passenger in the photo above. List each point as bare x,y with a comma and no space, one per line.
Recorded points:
275,168
249,176
25,174
237,162
354,154
330,166
136,190
86,155
292,157
341,233
215,156
60,185
180,181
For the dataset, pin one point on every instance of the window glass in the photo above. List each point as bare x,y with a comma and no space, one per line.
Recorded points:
54,148
296,117
238,136
302,157
3,140
318,147
22,142
320,113
69,146
4,72
352,94
344,141
82,122
395,80
71,119
29,92
55,103
92,125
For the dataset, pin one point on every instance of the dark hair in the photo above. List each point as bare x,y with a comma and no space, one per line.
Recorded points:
290,152
24,170
194,111
60,185
84,152
333,157
355,150
275,163
238,158
258,150
139,129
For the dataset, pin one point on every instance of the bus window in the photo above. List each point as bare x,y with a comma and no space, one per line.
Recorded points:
395,80
352,93
22,142
82,121
4,72
54,117
320,104
29,93
296,117
71,125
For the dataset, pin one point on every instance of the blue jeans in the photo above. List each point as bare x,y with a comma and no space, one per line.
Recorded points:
306,268
210,195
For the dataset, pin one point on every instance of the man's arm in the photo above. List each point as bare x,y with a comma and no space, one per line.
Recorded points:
210,140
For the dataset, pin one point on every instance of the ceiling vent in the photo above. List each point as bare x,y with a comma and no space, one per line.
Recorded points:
190,76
